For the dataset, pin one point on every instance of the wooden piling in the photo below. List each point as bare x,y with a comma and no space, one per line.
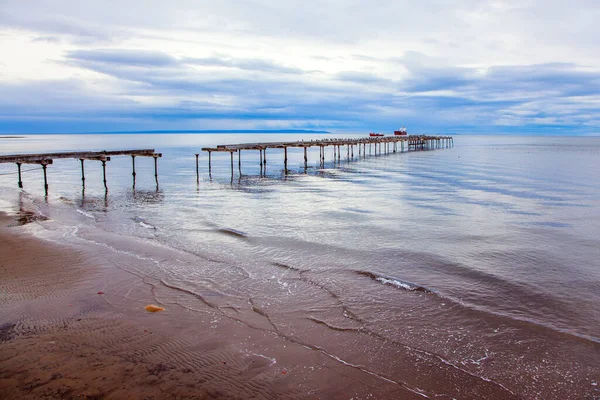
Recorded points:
156,170
20,183
104,174
45,179
82,172
305,158
197,169
285,159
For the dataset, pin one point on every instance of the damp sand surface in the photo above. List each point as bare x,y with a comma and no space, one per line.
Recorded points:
73,325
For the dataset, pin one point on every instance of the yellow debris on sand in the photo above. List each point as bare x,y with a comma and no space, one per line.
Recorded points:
153,308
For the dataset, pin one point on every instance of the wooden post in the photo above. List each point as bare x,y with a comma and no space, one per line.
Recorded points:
20,183
285,158
82,173
231,154
261,158
133,174
45,179
265,157
104,174
352,150
240,161
305,158
209,165
156,170
197,171
133,167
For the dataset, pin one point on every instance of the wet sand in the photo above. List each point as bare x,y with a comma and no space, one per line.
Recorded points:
72,325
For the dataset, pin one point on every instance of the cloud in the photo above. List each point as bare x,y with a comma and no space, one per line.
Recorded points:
126,57
491,65
249,64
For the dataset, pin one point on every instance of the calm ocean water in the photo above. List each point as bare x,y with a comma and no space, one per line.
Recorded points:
463,252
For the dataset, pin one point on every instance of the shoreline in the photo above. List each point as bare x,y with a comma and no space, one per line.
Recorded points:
75,310
81,322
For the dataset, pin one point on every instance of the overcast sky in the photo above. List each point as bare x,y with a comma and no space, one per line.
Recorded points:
431,65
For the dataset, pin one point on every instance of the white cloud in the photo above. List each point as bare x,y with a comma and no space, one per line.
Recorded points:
353,62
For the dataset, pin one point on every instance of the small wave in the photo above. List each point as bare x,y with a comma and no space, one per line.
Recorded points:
287,267
147,226
232,232
395,282
143,223
85,214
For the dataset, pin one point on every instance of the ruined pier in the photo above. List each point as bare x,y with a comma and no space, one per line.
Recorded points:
375,146
45,159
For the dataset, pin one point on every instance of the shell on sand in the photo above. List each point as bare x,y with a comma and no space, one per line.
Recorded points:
153,308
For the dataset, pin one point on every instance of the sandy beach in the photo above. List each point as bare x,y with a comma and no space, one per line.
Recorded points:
73,325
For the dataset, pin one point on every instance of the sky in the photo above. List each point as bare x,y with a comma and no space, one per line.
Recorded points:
434,66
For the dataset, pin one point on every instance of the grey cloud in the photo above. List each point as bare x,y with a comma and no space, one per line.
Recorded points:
123,57
249,64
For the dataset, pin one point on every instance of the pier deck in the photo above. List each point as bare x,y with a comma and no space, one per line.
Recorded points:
412,142
45,159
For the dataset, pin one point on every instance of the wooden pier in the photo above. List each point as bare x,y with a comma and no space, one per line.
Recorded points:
375,145
45,159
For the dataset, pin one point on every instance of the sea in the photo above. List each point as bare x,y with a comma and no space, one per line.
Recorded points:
484,256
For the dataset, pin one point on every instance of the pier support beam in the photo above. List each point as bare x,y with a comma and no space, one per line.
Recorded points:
82,173
197,170
20,183
104,174
231,154
44,166
156,170
305,158
285,159
240,161
133,174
